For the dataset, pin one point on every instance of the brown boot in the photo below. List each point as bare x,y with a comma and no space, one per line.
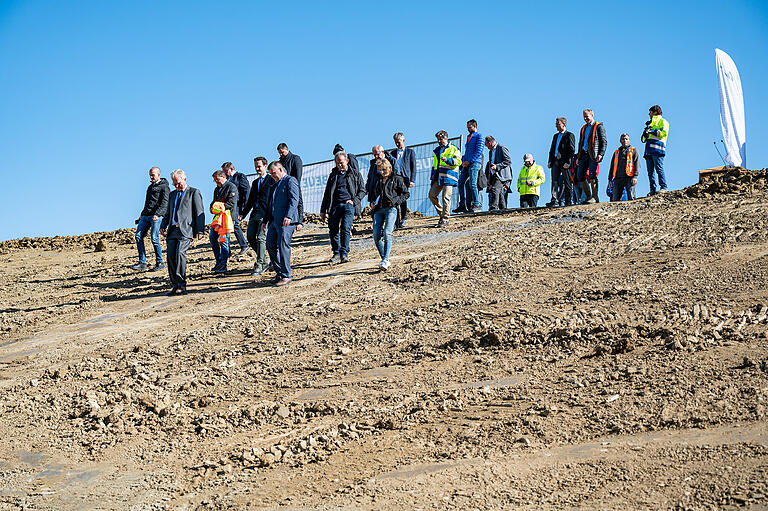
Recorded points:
587,194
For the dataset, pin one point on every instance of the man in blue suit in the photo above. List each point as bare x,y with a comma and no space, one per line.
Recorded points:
283,217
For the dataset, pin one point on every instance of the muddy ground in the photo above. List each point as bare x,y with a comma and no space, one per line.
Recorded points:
612,356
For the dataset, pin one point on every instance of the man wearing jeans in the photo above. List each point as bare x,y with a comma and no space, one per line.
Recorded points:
155,204
655,138
226,193
243,187
471,163
341,202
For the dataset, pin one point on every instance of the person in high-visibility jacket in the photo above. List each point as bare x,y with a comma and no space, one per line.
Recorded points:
655,138
624,166
528,182
445,175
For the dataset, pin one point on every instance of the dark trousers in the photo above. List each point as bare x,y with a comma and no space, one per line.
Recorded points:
619,185
586,169
279,247
562,188
176,247
340,227
257,237
239,232
496,195
529,201
402,213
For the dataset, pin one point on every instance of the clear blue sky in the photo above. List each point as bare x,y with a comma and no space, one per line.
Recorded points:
93,93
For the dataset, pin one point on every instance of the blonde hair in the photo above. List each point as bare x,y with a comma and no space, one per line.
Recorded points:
383,166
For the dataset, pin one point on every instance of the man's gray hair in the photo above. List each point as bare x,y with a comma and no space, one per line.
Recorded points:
178,172
377,146
275,164
341,153
399,135
153,168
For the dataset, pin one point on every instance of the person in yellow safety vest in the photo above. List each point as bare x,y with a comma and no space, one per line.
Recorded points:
445,175
531,177
624,166
655,138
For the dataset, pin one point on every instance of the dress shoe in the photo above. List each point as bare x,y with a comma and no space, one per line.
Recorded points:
140,267
460,209
283,281
158,267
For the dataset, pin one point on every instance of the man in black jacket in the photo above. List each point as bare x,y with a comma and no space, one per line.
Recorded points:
591,149
183,220
560,154
225,192
405,166
241,183
341,203
155,204
258,201
293,167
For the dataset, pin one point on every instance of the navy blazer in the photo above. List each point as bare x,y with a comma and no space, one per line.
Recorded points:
284,201
409,163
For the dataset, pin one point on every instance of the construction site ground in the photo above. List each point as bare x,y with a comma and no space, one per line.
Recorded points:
610,356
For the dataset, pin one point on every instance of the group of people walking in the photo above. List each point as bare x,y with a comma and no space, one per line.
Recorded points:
274,203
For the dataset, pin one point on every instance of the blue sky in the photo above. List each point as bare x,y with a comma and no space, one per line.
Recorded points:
93,93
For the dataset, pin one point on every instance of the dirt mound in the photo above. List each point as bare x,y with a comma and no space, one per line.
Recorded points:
605,356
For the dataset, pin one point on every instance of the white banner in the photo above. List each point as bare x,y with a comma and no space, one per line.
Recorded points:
731,110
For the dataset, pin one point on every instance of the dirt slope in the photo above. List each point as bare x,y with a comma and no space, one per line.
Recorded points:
612,356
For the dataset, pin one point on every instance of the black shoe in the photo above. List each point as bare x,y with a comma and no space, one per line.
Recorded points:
335,259
460,209
140,267
344,259
258,269
172,292
158,267
442,222
276,279
271,266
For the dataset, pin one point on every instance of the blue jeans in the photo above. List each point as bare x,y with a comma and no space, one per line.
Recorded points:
220,250
340,227
383,224
153,226
656,162
468,195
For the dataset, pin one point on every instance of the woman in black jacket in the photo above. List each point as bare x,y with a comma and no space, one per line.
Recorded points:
388,193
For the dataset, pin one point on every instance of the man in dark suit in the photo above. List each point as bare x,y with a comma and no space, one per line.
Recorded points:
293,167
405,165
373,173
560,155
498,170
243,187
283,217
258,200
184,220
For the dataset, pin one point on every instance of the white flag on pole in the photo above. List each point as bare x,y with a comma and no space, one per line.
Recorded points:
731,109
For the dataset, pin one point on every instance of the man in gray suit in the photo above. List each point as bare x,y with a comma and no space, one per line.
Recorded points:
499,173
184,220
283,217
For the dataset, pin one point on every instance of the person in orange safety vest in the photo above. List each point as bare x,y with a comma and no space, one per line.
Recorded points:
624,167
